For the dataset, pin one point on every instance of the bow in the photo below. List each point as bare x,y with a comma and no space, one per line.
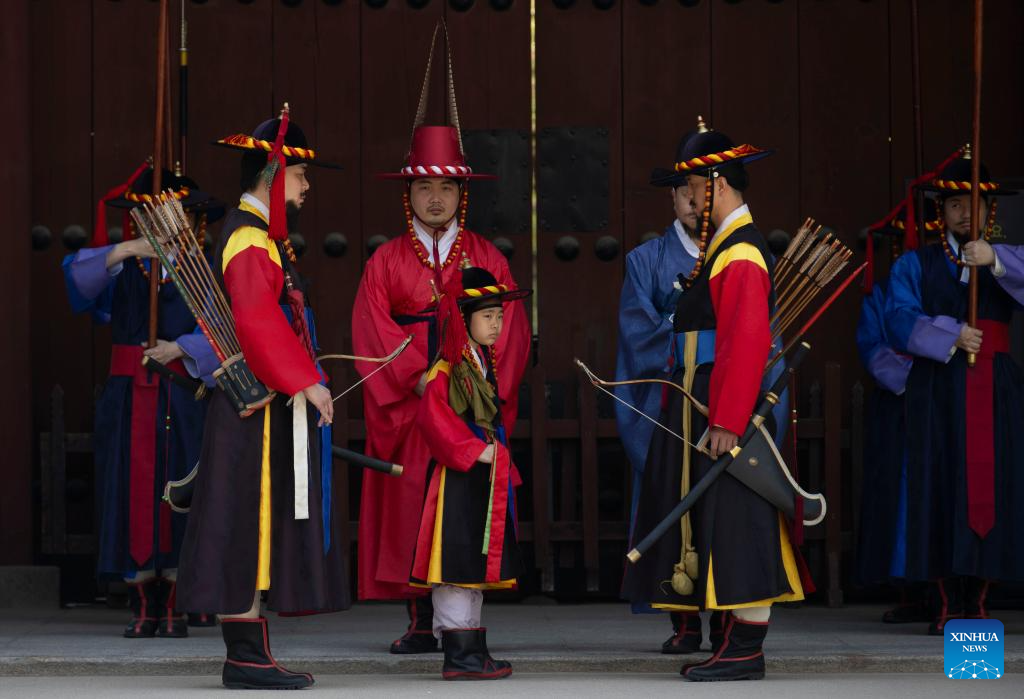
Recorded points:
602,385
383,361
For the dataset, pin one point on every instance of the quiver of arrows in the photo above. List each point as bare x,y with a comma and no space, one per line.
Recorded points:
808,265
165,225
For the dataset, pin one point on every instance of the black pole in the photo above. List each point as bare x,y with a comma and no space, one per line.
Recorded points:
357,459
762,412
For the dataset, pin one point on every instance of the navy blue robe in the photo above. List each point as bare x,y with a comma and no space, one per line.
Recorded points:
883,510
121,297
926,307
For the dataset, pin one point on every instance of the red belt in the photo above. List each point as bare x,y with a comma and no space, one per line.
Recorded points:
126,360
981,458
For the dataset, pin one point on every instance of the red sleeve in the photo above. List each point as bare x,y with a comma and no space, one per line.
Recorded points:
739,293
513,347
448,437
376,334
271,349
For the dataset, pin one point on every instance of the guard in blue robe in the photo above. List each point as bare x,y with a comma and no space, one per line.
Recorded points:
881,541
148,427
965,446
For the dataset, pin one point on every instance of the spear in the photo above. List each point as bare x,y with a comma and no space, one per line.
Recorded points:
159,140
972,288
183,91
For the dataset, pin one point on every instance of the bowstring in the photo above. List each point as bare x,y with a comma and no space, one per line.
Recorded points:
596,383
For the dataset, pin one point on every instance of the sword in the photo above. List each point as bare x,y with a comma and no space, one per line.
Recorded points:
753,427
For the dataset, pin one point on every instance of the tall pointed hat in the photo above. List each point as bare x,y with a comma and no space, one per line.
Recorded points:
437,151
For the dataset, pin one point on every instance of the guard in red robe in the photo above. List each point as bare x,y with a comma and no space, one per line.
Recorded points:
467,535
397,297
256,525
744,560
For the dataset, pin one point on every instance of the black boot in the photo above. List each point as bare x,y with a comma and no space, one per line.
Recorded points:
687,636
172,622
419,638
201,620
947,603
466,656
975,598
249,664
716,633
740,657
145,608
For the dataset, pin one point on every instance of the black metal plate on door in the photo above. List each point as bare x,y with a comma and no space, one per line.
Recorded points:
502,205
572,179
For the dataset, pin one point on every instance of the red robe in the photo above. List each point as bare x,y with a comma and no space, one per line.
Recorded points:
395,283
467,502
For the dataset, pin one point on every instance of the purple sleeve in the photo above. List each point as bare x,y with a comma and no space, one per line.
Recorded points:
200,359
934,337
1011,257
89,273
890,369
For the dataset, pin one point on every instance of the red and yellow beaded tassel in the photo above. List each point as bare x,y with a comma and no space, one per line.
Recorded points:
705,220
945,239
991,222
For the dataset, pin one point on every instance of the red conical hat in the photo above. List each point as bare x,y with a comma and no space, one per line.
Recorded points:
435,153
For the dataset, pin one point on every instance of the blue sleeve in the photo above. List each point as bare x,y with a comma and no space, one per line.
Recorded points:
89,283
908,328
200,360
644,348
645,334
1011,257
887,367
871,325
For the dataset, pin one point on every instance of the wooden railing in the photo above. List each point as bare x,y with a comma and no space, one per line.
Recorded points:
559,458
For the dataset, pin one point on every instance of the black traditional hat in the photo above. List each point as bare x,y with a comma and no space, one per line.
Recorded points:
712,154
955,178
284,144
184,189
709,149
295,147
895,222
138,189
480,287
668,177
475,289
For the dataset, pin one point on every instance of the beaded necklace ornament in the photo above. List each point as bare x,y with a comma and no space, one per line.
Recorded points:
705,220
948,249
289,250
421,252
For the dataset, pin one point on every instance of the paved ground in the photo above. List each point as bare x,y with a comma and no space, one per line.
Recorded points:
556,686
537,638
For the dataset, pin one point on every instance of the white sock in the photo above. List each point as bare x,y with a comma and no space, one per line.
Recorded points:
455,608
757,615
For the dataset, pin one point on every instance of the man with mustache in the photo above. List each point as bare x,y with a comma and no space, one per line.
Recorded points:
397,297
964,445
